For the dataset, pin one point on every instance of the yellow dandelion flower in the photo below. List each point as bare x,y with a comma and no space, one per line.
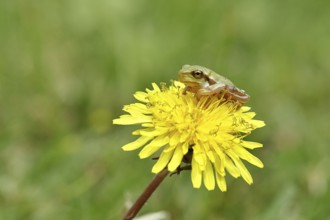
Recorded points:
209,131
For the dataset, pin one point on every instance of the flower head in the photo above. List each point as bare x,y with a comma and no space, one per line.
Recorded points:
209,130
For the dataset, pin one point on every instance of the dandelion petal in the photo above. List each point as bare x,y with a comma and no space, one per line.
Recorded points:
244,154
129,120
200,157
141,96
176,159
185,148
196,174
153,146
153,132
221,182
241,167
251,145
175,139
208,176
258,123
231,168
162,161
136,144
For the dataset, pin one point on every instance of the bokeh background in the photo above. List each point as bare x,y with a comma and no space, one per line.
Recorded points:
67,67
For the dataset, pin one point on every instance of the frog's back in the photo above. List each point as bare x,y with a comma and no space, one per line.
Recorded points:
221,79
217,77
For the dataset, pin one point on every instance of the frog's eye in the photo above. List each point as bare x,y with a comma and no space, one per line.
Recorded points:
197,74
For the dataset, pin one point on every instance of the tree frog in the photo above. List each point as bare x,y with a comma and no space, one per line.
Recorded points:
205,82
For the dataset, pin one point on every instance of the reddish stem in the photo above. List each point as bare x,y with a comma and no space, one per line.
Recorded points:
133,211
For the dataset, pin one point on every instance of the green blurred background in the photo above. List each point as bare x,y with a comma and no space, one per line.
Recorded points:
67,67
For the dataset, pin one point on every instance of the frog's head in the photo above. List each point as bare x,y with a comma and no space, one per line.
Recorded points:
194,76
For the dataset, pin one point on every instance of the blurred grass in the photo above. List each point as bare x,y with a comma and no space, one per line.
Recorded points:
67,67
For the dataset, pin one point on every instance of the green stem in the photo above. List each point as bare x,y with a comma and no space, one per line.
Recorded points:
136,207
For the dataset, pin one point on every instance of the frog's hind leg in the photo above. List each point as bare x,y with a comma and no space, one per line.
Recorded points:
237,94
229,92
211,90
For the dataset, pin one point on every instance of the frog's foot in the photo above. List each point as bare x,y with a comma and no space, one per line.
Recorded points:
179,169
